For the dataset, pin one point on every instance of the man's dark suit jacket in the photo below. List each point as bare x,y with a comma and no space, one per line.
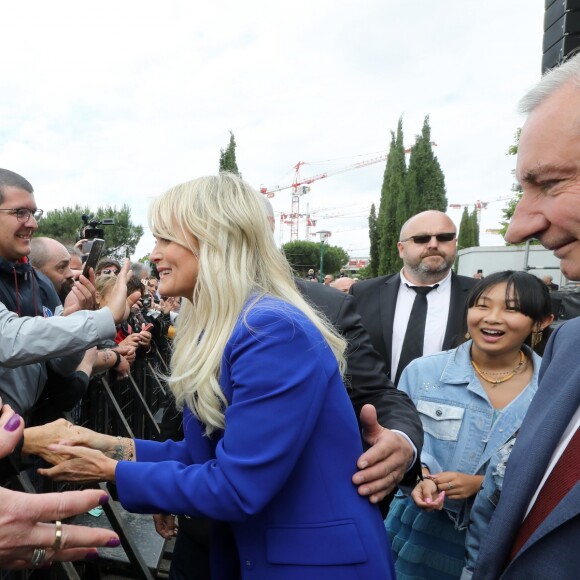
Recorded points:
553,550
365,376
376,301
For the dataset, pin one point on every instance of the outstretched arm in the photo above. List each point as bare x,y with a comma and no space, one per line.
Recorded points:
27,520
386,463
393,429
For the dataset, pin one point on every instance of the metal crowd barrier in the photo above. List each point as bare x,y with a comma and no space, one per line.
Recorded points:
131,407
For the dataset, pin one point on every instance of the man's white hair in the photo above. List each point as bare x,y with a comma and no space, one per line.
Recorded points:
554,79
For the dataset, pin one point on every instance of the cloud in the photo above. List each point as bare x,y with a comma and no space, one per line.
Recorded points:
117,101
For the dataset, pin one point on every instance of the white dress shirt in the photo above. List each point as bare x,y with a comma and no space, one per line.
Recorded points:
435,325
573,426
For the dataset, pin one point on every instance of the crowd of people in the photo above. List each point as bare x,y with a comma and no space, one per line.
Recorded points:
398,427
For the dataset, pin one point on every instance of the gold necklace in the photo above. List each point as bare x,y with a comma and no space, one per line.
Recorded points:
509,376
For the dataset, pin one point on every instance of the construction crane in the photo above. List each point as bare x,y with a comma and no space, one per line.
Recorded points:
351,210
300,187
479,206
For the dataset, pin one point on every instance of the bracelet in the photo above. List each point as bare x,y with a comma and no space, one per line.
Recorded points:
128,449
118,361
432,480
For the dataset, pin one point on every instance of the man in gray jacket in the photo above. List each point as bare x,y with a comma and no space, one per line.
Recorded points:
30,341
27,292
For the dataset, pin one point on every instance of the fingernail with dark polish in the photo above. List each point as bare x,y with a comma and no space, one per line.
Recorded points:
113,543
13,423
92,555
103,499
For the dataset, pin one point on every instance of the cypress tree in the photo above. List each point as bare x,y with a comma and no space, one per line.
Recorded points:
397,185
228,157
375,241
474,228
428,177
404,207
464,237
393,188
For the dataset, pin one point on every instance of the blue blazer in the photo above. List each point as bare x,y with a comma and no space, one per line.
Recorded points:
553,550
280,473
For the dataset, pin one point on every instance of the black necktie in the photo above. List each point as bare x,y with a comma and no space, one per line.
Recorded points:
415,334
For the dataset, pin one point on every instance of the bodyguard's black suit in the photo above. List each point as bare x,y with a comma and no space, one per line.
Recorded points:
376,301
366,379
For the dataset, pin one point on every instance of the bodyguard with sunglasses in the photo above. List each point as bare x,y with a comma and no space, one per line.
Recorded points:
419,310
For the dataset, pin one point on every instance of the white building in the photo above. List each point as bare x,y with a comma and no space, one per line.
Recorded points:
537,261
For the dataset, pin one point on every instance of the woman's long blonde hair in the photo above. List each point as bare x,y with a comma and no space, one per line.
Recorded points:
222,221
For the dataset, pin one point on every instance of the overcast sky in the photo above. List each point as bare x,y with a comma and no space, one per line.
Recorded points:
115,102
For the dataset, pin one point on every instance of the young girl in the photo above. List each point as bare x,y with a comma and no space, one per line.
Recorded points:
472,401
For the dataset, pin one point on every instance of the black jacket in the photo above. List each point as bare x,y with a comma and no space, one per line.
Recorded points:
26,291
377,301
366,378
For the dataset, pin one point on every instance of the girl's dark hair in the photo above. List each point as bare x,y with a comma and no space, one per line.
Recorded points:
530,295
134,284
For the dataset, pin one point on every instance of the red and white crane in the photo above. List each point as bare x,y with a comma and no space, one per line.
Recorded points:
300,187
478,205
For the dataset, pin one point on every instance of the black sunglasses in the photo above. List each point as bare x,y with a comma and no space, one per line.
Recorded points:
425,238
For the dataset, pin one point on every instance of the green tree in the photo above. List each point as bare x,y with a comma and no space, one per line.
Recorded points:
304,255
508,211
468,229
365,273
65,224
374,238
406,204
335,258
404,193
392,189
474,218
464,237
426,174
228,157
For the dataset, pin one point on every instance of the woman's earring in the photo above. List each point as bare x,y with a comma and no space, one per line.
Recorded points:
536,337
467,336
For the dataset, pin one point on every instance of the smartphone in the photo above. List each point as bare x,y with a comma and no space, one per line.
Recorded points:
94,256
86,247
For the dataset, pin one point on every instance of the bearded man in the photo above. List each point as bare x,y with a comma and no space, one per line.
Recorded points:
421,309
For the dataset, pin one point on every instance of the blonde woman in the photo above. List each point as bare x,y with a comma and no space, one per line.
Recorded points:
270,435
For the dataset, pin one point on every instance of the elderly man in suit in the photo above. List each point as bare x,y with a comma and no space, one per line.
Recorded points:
535,530
421,309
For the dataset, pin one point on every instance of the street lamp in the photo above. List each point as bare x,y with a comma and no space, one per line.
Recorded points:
324,235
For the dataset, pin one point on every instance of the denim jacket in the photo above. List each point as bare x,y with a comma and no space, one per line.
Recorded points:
485,504
458,419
